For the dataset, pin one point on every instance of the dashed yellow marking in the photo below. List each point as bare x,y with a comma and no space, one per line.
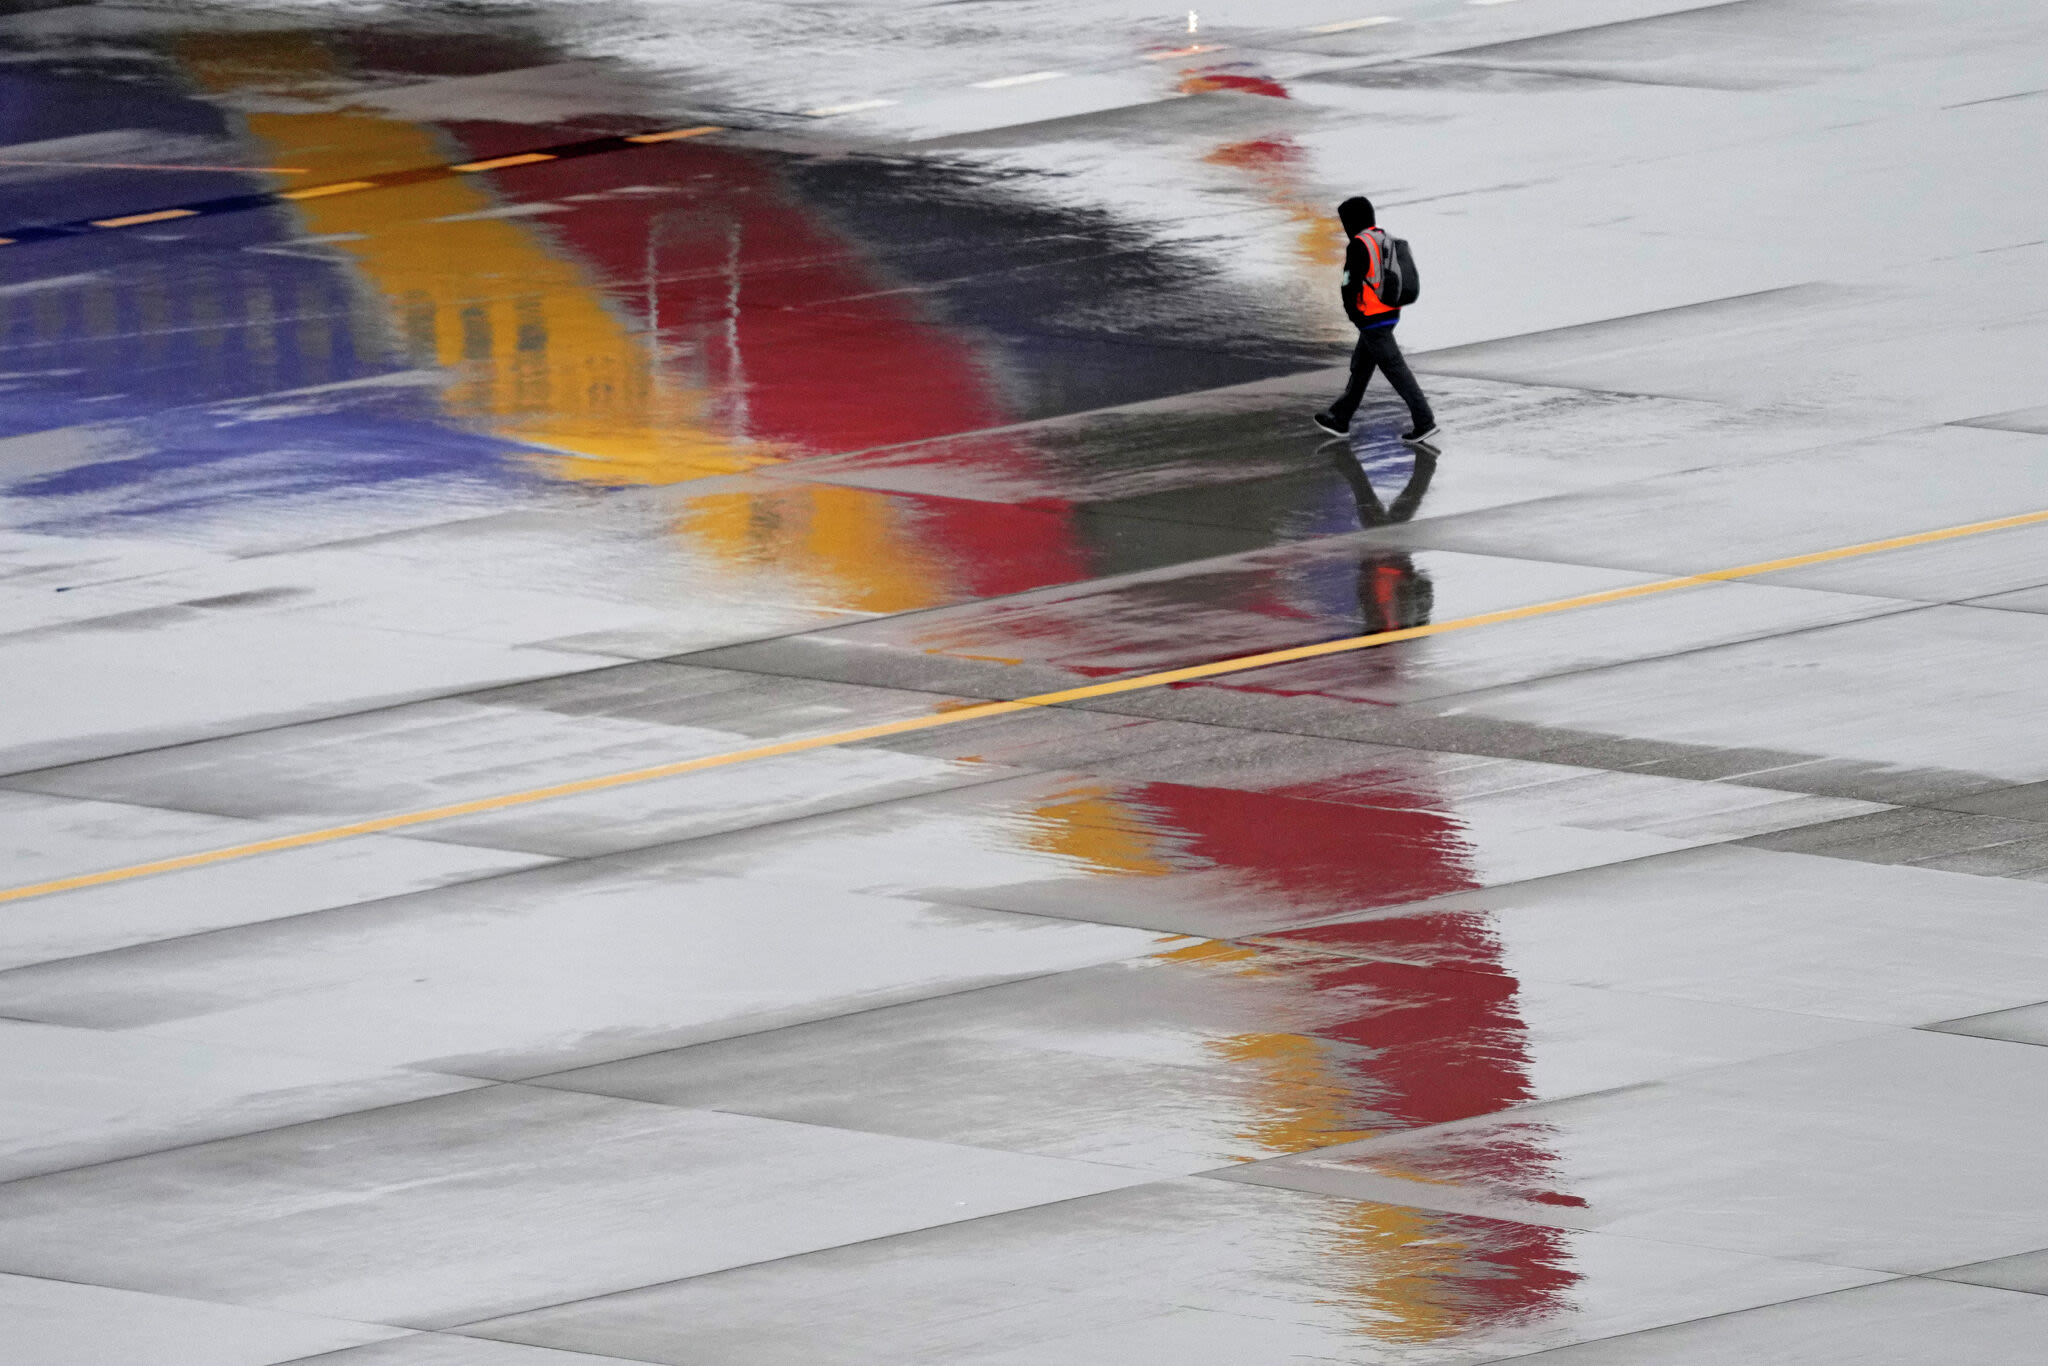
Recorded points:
498,163
322,191
954,713
156,166
675,133
134,219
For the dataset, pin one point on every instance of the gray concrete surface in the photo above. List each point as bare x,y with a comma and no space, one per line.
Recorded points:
1657,982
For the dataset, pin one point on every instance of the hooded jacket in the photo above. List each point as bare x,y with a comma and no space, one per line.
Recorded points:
1361,305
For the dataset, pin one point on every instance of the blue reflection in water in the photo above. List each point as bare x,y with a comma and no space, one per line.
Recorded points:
174,361
1326,587
192,369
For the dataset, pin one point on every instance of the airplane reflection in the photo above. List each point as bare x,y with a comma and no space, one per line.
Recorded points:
605,335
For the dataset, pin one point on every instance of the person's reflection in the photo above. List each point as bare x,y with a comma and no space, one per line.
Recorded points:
1392,593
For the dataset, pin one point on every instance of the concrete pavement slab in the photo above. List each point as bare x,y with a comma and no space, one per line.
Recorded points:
62,1323
52,837
1773,1156
1296,595
2025,420
1395,590
2026,1272
1957,841
744,556
2022,801
564,729
83,1096
1386,776
2033,599
504,1199
1165,856
1903,1322
1728,515
442,1349
1202,1271
1820,936
1191,441
84,694
2021,1024
1745,46
2000,569
1932,688
552,969
1205,1054
1179,457
1966,375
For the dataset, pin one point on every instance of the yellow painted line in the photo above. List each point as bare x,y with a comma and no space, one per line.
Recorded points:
956,713
495,163
1181,52
6,241
673,134
322,191
160,216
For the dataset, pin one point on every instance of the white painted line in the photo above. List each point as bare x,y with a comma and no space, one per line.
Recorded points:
1029,78
828,110
1343,25
1489,2
1181,52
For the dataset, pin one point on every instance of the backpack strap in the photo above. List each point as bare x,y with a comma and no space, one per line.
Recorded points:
1377,253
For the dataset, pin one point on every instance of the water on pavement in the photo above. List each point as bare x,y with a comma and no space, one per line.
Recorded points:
418,407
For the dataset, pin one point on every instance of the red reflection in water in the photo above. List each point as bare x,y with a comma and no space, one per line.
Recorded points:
826,351
1258,155
1450,938
813,346
1201,82
1318,857
1397,1046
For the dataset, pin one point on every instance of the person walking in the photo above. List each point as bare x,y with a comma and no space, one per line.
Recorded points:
1375,322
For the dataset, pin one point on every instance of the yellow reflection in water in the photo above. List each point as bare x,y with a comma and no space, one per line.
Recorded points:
540,355
846,543
1092,826
1275,166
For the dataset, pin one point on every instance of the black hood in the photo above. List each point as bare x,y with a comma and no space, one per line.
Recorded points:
1355,214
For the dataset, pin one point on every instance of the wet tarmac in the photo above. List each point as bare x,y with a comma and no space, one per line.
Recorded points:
514,516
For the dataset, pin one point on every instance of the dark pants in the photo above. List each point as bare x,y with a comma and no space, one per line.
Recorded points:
1378,349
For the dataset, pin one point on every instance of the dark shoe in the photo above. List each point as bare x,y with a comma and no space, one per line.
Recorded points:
1329,423
1421,436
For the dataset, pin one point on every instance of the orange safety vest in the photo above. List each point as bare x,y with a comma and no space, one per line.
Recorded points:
1368,295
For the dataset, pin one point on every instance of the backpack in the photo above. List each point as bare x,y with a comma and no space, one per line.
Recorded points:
1398,283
